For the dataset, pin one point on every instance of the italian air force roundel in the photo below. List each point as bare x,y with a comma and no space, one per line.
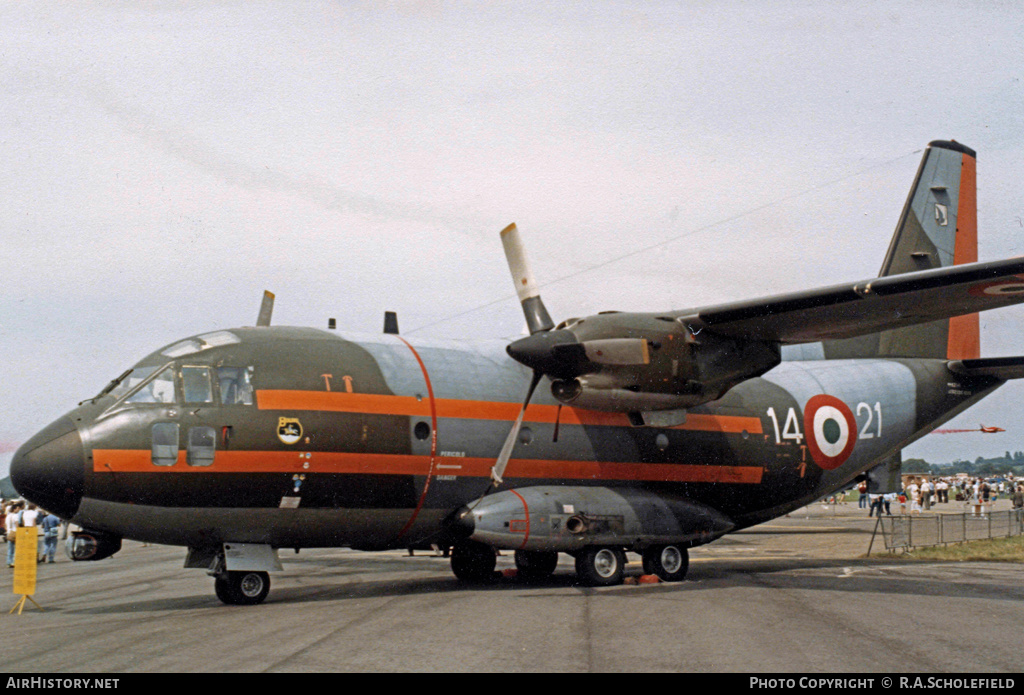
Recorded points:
831,431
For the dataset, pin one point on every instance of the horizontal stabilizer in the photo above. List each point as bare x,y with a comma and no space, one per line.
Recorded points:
1000,367
846,311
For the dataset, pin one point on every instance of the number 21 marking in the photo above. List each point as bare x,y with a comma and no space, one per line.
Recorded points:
864,433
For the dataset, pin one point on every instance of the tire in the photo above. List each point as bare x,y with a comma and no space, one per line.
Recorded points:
600,566
669,562
535,565
242,588
473,562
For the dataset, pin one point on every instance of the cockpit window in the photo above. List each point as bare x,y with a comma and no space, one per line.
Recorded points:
135,377
159,389
235,385
199,343
196,383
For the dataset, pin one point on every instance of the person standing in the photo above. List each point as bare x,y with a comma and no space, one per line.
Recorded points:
11,527
51,527
862,501
1017,497
914,497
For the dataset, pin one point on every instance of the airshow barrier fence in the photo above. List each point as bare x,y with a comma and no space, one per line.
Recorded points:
908,531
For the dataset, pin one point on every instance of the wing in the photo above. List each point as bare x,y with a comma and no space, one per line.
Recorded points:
846,311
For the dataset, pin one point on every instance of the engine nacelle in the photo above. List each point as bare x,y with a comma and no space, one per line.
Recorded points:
682,372
567,519
599,393
91,545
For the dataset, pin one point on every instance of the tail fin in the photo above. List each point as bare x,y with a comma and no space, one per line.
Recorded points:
938,228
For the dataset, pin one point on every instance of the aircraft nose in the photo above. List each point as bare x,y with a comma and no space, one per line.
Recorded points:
49,469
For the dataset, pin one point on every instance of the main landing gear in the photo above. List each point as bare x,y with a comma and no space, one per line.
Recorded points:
242,588
595,565
669,562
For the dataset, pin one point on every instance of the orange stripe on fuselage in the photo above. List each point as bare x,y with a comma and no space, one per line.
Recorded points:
326,462
380,404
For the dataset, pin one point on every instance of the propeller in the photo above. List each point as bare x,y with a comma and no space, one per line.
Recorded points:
556,353
537,321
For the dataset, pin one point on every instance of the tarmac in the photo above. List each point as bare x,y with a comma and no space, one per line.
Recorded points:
794,595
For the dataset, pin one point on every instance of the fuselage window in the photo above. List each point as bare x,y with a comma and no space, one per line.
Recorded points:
160,389
165,443
196,383
235,385
202,444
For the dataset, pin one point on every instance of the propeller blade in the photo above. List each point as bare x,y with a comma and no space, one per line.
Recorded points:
506,450
266,309
537,317
622,351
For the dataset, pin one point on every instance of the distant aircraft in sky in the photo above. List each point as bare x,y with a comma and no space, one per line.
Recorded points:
980,428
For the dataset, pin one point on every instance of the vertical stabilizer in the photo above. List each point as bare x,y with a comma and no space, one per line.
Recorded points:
938,228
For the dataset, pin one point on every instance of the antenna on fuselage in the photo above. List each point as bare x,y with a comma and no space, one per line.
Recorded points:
390,323
266,309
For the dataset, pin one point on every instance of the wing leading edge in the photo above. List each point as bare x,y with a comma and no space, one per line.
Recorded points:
869,306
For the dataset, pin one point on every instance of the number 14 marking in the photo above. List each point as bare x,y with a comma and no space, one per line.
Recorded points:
791,429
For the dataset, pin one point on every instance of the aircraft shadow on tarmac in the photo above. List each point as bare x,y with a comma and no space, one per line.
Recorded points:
335,583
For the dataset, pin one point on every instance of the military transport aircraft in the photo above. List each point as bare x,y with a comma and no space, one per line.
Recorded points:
657,432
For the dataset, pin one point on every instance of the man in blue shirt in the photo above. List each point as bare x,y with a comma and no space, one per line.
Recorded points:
50,526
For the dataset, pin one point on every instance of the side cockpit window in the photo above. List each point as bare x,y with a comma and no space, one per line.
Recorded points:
195,382
235,385
159,389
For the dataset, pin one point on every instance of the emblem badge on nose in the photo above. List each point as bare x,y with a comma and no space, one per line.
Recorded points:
289,430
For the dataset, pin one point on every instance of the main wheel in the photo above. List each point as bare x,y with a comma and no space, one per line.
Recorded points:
242,588
534,565
669,562
599,566
473,562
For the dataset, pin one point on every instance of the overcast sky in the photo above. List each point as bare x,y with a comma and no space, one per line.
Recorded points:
165,162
